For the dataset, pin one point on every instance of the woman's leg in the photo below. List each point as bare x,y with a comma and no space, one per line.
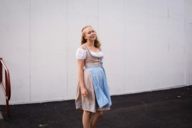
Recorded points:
95,117
86,119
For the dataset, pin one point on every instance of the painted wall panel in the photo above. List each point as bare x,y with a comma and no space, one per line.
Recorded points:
14,46
146,44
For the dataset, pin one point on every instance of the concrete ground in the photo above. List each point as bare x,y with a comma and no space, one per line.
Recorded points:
159,109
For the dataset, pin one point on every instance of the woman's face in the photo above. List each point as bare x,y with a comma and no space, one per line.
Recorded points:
90,34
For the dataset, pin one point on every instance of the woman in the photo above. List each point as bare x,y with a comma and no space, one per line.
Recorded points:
93,93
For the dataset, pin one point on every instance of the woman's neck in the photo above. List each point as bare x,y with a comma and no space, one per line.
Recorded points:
90,43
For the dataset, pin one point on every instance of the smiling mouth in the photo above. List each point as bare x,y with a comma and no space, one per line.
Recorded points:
93,36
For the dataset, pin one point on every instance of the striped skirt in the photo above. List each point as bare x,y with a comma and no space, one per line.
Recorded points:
98,92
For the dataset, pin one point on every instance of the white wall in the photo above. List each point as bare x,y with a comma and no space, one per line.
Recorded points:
146,44
188,39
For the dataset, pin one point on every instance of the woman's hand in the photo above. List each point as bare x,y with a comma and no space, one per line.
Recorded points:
84,91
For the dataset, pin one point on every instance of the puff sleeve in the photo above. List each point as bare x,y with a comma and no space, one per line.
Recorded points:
80,54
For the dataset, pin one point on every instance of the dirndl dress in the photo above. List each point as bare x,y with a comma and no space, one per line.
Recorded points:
95,81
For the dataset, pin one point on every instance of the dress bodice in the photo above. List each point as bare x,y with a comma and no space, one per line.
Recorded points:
91,59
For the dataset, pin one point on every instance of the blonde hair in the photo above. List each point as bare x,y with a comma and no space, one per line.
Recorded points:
97,43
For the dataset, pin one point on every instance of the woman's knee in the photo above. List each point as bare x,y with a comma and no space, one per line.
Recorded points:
87,113
100,113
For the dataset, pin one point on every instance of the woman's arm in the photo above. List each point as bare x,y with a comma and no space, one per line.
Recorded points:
80,64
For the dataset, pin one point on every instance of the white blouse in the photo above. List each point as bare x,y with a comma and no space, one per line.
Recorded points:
81,54
97,54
